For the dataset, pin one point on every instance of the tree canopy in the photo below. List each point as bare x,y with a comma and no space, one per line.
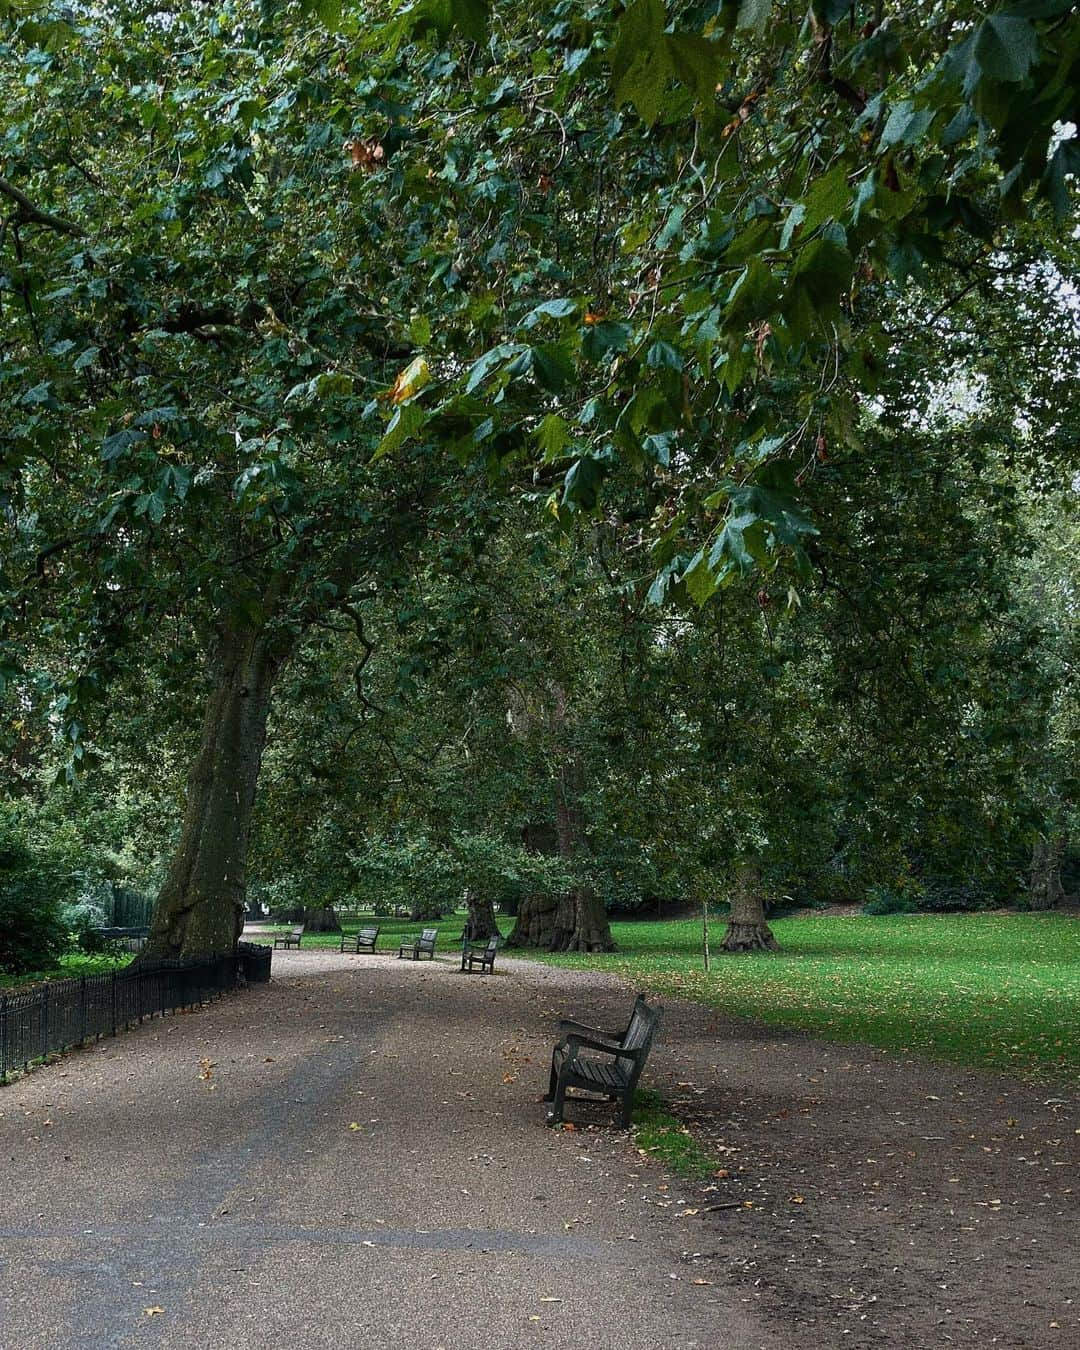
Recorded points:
686,384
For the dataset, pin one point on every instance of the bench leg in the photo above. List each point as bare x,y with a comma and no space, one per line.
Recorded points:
555,1115
627,1108
549,1095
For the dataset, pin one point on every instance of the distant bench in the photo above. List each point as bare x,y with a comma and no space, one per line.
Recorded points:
291,938
424,945
480,954
364,941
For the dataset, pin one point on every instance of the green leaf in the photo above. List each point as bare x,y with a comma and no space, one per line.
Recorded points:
550,309
640,60
907,125
699,579
824,269
482,368
552,367
405,423
87,358
827,199
553,436
603,338
581,487
697,63
1006,47
471,18
112,447
754,14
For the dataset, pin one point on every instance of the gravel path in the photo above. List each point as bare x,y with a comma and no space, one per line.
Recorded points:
353,1155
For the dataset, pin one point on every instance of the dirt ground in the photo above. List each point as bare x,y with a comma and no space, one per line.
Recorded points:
354,1155
888,1201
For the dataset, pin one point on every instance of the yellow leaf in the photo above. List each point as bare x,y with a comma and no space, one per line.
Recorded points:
410,381
153,1312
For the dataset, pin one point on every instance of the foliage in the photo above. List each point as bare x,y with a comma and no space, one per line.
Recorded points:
284,337
881,901
82,922
994,990
34,885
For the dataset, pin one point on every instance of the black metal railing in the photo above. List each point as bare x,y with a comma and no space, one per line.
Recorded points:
38,1022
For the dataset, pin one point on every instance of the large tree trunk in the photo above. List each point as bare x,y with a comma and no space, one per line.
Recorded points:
200,909
535,922
1045,890
480,925
321,919
582,924
747,930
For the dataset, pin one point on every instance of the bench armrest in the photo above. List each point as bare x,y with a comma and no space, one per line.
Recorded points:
574,1044
568,1027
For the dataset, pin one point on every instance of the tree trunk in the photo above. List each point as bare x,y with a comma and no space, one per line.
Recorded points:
1045,890
200,908
321,919
581,922
480,925
535,922
587,928
747,930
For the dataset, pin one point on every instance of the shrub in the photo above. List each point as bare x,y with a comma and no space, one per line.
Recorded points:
83,921
942,895
881,900
33,887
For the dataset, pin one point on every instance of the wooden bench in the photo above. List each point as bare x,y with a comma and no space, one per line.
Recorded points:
424,945
291,938
364,941
615,1076
479,954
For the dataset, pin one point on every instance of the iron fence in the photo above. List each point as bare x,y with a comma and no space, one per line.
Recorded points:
38,1022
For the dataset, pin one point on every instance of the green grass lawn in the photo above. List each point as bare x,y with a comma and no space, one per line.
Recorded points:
70,968
984,989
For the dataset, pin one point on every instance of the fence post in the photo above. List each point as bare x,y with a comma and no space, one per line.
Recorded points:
45,1020
113,991
3,1037
82,1009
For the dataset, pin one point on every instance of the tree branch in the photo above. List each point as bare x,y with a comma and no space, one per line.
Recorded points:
33,215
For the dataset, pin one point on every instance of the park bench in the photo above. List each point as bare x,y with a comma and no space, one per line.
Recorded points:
615,1076
291,938
480,954
424,945
364,941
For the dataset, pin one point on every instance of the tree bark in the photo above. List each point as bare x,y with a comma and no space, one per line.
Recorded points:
535,922
200,908
1045,890
321,919
587,928
480,925
747,930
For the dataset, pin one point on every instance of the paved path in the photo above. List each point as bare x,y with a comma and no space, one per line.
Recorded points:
351,1156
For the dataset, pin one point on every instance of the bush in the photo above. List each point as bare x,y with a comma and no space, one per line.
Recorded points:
83,921
880,901
33,888
945,896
